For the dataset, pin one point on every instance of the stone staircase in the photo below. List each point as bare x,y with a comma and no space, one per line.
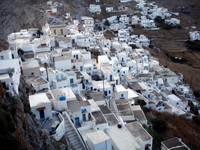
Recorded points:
71,134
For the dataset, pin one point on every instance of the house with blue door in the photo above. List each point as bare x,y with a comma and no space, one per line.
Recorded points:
75,112
121,92
41,106
104,87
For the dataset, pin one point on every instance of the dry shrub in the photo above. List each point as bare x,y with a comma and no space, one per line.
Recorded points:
183,128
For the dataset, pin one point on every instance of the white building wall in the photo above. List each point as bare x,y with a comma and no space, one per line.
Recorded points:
63,65
60,105
47,110
60,130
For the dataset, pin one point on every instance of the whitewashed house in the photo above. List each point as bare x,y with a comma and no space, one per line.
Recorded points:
112,19
147,24
31,68
98,140
6,55
174,100
123,34
94,8
105,43
103,59
124,71
10,75
104,87
40,106
57,79
121,92
194,35
90,66
122,57
67,15
38,83
124,19
135,20
141,136
63,62
60,97
172,143
88,23
172,21
110,9
124,1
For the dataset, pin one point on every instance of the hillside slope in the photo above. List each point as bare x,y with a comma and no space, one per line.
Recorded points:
19,129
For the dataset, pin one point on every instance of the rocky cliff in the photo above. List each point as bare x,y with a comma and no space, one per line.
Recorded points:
18,14
19,128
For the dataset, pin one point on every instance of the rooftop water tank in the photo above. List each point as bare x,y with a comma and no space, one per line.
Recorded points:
82,109
62,97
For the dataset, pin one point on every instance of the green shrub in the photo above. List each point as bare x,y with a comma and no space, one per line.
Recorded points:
159,125
196,119
158,19
193,45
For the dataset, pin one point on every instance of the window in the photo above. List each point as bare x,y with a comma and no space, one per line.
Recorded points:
54,31
71,81
1,58
116,82
122,95
61,31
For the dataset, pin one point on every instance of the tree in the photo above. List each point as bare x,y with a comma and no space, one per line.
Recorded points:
158,19
142,103
107,23
159,125
133,46
196,119
2,90
20,52
39,33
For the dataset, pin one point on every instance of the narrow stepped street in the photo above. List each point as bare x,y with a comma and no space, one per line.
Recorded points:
71,135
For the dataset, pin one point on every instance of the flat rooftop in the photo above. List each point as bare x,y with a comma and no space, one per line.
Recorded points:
139,114
38,99
84,103
99,117
62,58
123,107
122,138
30,64
66,91
105,109
97,137
96,96
135,86
175,144
36,80
111,118
120,88
57,25
73,106
137,130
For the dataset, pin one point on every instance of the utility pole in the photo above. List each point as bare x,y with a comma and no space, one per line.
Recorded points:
45,64
103,86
